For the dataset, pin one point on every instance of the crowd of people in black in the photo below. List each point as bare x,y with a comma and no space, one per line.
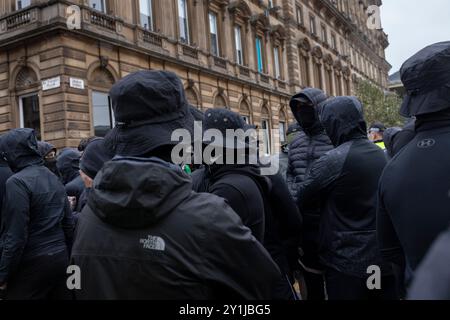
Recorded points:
346,198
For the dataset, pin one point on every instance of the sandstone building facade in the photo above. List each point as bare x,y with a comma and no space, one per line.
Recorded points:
247,55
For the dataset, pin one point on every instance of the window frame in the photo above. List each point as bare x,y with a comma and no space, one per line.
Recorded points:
313,25
103,3
151,16
110,109
260,58
186,22
277,61
21,7
241,45
217,42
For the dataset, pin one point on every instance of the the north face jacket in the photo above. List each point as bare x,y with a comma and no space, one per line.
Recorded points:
414,197
309,145
345,180
36,216
146,235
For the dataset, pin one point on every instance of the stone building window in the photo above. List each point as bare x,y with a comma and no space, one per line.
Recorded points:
299,14
102,113
312,25
238,45
260,54
219,102
21,4
282,127
99,5
26,86
183,18
214,34
244,111
333,42
277,62
146,14
324,34
265,131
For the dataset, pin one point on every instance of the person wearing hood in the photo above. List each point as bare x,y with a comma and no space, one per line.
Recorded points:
48,152
345,180
68,164
389,138
409,222
270,214
37,224
144,221
95,155
376,134
5,174
309,145
242,185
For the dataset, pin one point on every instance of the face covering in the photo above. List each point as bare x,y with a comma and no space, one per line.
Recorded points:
306,116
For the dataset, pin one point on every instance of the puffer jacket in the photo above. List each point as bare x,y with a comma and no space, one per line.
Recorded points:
144,221
345,181
309,145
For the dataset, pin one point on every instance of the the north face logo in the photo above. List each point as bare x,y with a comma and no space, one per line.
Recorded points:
153,243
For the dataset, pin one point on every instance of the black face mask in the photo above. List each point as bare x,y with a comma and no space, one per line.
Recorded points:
307,116
51,165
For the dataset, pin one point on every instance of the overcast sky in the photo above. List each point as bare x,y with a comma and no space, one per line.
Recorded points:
412,25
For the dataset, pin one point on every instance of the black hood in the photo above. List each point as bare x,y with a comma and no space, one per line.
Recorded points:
68,164
134,193
343,120
317,97
20,148
45,148
389,139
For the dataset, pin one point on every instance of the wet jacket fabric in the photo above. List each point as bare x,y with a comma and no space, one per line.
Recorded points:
414,200
36,217
144,221
243,188
432,279
345,181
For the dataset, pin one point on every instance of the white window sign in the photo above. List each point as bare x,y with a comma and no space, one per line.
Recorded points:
77,83
52,83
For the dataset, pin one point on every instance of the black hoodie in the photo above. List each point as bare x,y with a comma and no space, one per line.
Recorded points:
68,164
346,180
242,186
36,219
44,149
146,235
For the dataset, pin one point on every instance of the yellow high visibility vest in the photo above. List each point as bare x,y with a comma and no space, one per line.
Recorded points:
381,145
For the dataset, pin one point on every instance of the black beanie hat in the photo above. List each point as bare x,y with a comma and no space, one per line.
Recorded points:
94,157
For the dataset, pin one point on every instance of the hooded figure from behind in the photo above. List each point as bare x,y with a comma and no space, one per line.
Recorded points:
309,145
159,239
409,222
5,174
37,224
345,181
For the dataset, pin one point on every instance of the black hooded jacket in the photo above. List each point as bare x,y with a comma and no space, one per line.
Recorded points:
36,218
44,149
345,180
309,145
146,235
5,174
69,165
242,186
414,197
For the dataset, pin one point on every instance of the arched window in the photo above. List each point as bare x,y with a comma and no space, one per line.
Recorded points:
101,81
28,100
219,102
244,111
265,130
191,96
